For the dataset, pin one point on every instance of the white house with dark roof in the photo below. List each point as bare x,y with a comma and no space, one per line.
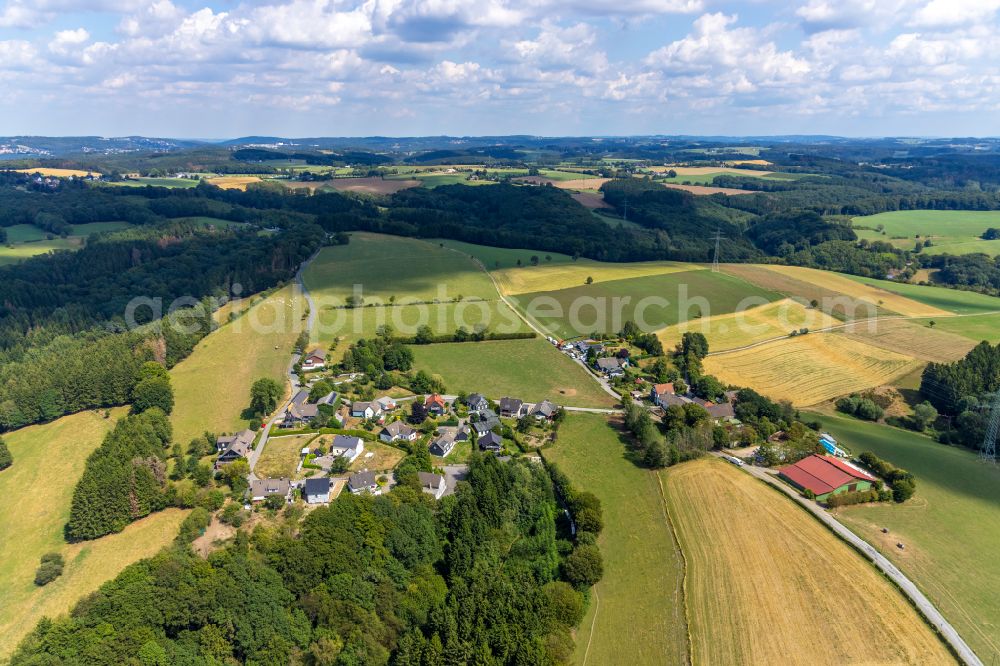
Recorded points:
314,360
397,431
317,490
432,484
477,402
363,482
347,447
511,408
261,489
443,445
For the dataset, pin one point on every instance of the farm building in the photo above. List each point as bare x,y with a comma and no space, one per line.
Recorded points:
825,476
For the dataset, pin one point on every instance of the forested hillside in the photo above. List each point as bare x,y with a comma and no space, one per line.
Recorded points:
481,577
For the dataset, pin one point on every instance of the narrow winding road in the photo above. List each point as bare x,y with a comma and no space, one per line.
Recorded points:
923,604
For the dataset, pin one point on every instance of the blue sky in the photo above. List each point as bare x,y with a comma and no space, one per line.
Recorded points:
225,68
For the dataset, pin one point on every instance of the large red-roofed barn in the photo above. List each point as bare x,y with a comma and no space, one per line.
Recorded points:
825,476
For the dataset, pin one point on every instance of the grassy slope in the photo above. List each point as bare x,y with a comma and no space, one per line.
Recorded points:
528,369
951,527
38,489
977,328
212,385
637,614
686,293
952,300
528,279
952,231
505,257
766,583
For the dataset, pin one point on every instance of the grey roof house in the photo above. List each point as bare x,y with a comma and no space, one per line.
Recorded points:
432,484
490,442
477,402
363,482
397,430
317,491
511,407
261,489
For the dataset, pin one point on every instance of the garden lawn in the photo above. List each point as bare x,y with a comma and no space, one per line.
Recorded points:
48,462
636,613
532,370
212,385
653,302
281,456
951,526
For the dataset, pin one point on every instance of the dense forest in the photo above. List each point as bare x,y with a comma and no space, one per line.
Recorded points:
489,575
963,391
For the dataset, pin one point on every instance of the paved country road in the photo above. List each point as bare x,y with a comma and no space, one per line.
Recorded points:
923,604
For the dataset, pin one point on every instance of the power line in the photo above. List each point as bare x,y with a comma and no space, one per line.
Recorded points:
715,259
989,450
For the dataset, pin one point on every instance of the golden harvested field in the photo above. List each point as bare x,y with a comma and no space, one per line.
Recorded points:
753,162
809,369
754,325
768,584
703,190
212,385
371,185
58,173
859,290
552,277
591,200
48,461
918,340
234,182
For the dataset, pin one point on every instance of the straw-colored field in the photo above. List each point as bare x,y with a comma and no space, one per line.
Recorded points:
705,170
704,190
859,290
371,185
56,173
212,385
916,339
38,490
809,369
743,328
281,456
234,182
552,277
768,584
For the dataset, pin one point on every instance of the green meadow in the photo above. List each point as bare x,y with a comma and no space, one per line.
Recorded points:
950,231
502,257
653,302
950,528
953,300
532,370
976,327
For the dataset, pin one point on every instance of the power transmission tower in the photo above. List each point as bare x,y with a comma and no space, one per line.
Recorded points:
715,259
989,450
625,210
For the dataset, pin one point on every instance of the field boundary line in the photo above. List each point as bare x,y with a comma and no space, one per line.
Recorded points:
906,587
664,506
593,623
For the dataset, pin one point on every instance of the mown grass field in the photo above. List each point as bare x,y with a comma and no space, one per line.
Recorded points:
809,369
870,291
281,456
38,490
951,231
566,275
212,385
531,370
940,298
743,328
915,339
493,258
767,583
21,251
387,266
636,613
951,526
653,302
976,327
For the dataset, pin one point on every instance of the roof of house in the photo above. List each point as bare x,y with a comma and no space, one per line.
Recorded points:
267,487
245,436
362,406
361,480
489,438
316,353
609,363
823,474
474,398
385,402
397,429
545,408
345,442
510,404
660,389
435,399
428,480
721,411
674,399
318,486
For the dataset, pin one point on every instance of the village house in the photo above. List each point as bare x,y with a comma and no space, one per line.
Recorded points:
443,445
477,402
386,404
612,366
301,412
825,476
237,447
314,360
347,447
261,489
544,411
432,484
397,431
435,405
490,442
487,421
363,482
657,394
225,441
317,491
511,408
366,410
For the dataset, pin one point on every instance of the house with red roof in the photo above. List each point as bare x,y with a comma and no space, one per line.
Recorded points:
435,404
826,476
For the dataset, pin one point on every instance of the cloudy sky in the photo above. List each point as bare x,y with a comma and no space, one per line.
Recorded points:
226,68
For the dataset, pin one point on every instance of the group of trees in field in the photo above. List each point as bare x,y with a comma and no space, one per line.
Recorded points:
6,459
962,390
647,342
489,575
378,355
900,482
